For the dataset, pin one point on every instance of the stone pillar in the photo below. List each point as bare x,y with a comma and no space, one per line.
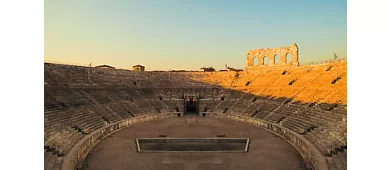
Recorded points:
295,62
260,59
271,58
283,58
249,60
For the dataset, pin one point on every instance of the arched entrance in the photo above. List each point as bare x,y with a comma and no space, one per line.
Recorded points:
255,61
288,58
266,60
277,59
191,106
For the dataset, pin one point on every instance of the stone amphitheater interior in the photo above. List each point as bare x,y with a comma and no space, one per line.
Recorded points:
264,117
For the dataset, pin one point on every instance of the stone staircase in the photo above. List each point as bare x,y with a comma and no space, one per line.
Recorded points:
338,161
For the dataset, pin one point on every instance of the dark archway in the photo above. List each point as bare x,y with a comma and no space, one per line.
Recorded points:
191,106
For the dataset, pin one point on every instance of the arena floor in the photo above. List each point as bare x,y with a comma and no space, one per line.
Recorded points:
266,151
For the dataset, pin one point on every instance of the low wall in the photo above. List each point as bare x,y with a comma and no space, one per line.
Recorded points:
308,151
78,153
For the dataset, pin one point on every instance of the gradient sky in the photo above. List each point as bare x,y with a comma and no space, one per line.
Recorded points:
183,34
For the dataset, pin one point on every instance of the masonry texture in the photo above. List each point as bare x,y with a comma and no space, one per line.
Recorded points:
260,54
266,151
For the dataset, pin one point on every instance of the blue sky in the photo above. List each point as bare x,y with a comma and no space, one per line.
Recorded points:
188,35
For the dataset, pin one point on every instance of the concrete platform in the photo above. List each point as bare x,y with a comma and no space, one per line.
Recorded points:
267,151
192,144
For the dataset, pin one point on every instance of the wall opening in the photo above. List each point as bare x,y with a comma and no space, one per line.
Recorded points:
254,113
284,72
204,114
277,59
161,98
222,98
335,80
255,61
288,58
247,83
329,68
265,60
292,82
225,110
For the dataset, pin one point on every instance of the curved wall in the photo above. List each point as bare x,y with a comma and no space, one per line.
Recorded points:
78,153
313,158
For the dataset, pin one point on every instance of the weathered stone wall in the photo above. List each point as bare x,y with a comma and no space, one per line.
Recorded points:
311,155
260,54
79,152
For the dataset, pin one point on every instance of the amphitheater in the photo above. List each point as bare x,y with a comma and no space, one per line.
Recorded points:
291,117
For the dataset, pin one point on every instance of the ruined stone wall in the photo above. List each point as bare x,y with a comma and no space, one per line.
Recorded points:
260,54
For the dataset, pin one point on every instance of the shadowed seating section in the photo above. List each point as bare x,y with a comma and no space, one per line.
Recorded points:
80,100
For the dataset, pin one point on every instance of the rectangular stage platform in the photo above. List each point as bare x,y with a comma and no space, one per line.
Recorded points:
192,144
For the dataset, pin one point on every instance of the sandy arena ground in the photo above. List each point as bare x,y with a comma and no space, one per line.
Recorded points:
266,151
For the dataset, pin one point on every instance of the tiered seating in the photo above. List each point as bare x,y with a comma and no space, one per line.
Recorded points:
79,100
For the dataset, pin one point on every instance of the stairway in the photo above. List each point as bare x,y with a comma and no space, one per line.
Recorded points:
338,161
52,161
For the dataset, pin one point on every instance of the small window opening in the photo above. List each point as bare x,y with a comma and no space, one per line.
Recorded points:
292,82
222,98
178,114
288,101
254,113
284,72
204,114
161,98
247,83
335,80
135,83
106,120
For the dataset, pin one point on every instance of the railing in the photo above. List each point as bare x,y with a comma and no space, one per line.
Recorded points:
324,61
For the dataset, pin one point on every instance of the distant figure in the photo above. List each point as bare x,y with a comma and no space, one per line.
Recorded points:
335,56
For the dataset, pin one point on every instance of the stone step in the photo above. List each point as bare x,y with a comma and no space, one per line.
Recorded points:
338,162
331,164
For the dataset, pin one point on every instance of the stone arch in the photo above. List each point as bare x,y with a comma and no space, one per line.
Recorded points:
268,56
288,58
255,61
266,60
277,59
